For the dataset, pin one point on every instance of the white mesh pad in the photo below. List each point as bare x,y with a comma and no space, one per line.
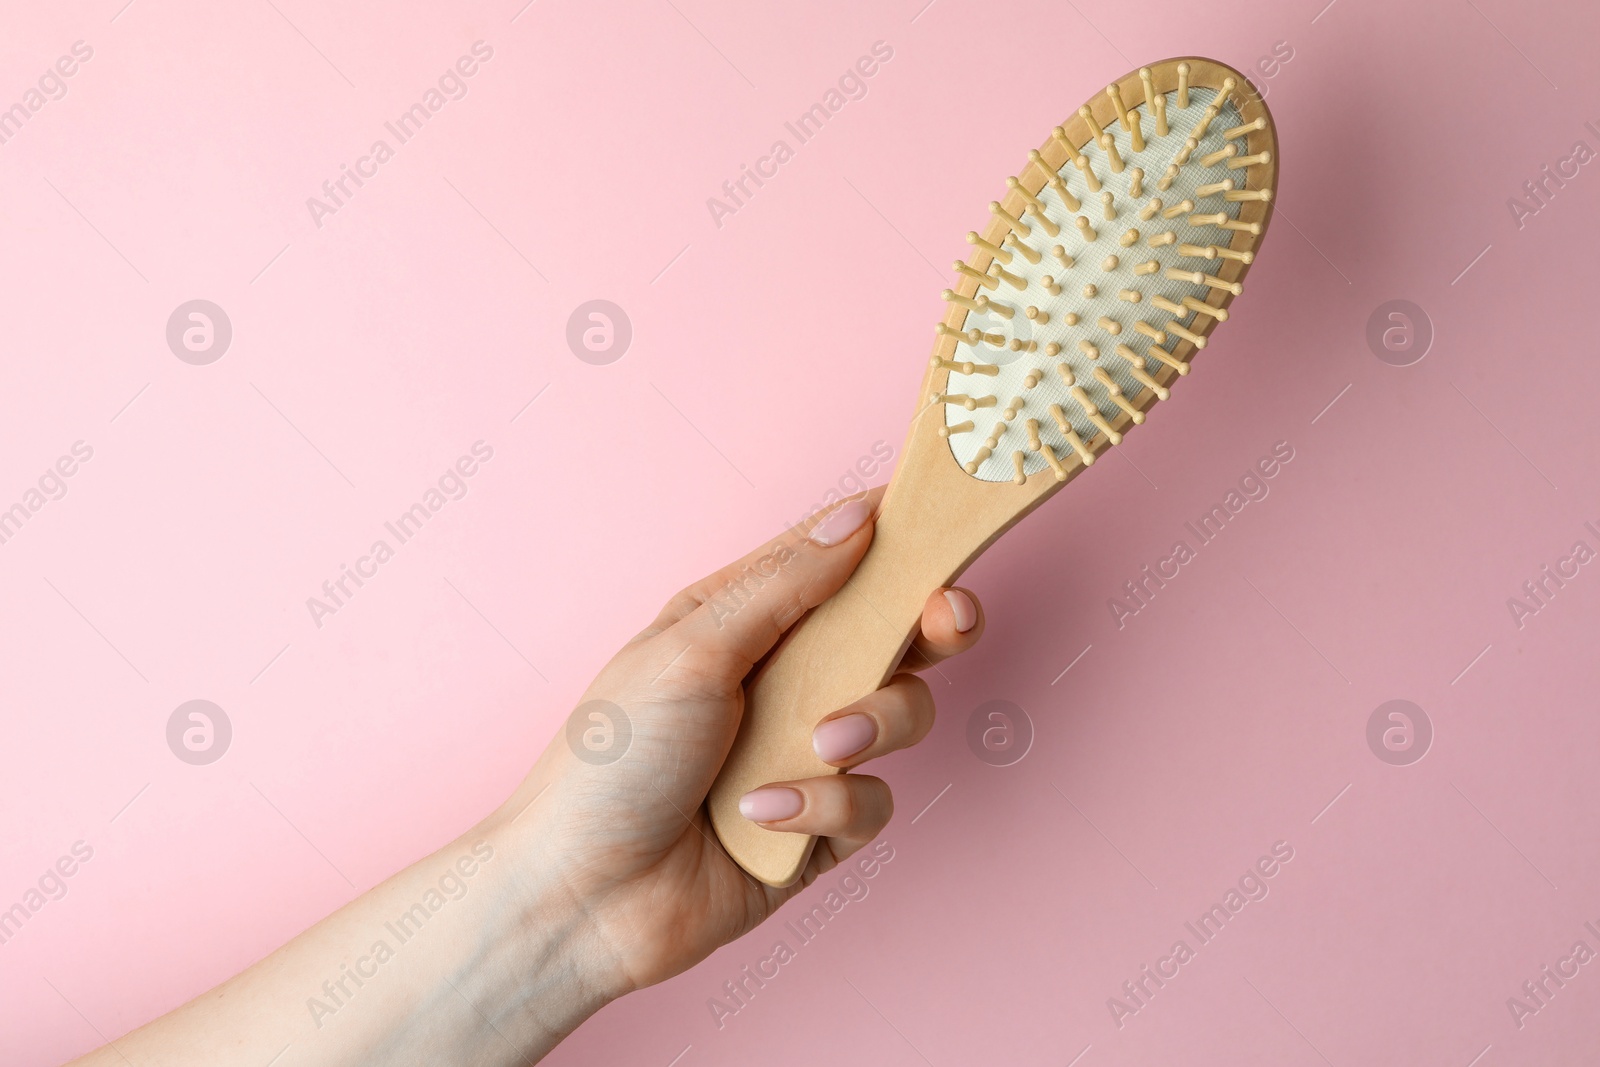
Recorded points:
1089,256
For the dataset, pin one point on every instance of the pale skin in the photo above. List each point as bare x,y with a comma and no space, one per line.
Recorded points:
591,880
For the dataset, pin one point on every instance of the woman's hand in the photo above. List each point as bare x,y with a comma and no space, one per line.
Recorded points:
630,839
596,877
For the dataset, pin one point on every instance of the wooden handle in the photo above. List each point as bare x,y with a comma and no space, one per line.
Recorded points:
844,649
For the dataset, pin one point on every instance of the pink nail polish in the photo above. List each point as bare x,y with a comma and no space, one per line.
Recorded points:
966,611
773,803
840,523
841,738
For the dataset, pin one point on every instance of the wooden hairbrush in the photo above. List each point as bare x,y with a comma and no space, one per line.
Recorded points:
1112,257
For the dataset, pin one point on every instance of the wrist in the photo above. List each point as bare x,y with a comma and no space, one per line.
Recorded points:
540,967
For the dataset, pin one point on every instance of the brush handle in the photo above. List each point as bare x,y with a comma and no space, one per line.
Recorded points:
933,521
844,649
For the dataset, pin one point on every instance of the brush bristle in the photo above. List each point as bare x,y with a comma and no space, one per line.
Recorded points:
1112,278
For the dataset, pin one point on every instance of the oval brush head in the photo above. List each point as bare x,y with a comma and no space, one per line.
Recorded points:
1105,266
1114,254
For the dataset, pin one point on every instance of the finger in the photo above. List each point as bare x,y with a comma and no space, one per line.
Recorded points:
850,809
691,598
744,618
895,717
952,622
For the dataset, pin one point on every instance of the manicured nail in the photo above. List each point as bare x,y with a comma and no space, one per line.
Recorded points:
843,737
772,804
841,522
965,610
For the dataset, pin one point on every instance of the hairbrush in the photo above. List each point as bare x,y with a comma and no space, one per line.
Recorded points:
1096,279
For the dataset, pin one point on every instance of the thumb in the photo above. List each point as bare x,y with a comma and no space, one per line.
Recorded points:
748,606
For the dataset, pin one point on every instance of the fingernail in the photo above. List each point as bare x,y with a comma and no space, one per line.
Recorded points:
840,523
771,804
965,610
843,737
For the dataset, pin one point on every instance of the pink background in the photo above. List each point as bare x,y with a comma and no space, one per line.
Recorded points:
371,352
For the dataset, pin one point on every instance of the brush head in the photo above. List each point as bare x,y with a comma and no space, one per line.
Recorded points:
1112,257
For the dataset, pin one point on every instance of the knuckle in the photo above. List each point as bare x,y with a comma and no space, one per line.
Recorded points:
681,603
868,801
918,693
788,607
885,799
763,585
847,807
911,709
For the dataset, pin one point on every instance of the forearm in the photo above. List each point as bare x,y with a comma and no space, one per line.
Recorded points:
464,957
